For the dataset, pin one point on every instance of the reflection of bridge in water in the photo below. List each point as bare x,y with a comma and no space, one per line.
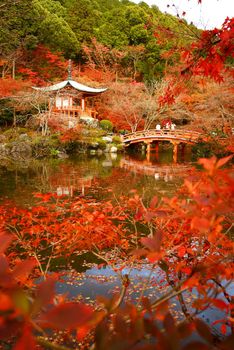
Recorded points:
152,138
159,172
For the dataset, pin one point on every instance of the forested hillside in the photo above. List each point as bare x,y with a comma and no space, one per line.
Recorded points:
115,44
31,29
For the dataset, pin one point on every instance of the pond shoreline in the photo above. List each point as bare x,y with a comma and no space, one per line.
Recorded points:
21,144
23,150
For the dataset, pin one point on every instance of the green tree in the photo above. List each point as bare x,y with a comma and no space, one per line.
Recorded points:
54,31
114,29
17,32
83,17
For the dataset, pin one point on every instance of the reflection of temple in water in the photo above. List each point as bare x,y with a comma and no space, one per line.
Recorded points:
67,185
65,181
159,172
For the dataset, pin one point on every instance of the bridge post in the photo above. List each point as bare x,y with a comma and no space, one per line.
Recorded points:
175,150
183,147
148,149
155,146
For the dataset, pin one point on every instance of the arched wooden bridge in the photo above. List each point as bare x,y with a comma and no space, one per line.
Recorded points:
152,138
161,135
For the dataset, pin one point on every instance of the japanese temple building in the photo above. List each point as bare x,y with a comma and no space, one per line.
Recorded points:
71,99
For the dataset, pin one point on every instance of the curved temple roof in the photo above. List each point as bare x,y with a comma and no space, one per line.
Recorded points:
74,84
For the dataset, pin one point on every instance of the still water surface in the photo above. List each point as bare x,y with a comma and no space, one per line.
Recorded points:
100,178
92,176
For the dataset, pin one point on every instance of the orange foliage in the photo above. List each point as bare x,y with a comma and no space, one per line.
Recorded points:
97,75
10,87
205,57
41,65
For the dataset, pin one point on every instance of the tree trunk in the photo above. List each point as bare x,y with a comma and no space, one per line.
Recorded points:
13,69
14,117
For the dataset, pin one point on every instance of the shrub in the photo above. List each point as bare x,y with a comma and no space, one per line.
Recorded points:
70,135
120,147
116,139
101,143
207,149
71,139
106,125
14,133
123,132
54,152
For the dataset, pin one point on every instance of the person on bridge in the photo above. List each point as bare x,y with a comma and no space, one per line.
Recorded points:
158,127
173,126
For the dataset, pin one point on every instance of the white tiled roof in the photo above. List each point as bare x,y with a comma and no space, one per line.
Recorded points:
74,84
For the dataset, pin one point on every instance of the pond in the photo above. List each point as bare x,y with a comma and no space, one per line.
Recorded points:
100,177
92,176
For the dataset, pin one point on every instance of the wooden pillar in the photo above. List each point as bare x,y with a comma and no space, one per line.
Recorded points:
175,151
156,146
14,117
156,156
82,104
183,147
148,149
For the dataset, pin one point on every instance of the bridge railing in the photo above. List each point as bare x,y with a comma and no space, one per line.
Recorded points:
163,133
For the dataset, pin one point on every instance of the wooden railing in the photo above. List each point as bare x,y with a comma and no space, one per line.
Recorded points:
76,111
164,134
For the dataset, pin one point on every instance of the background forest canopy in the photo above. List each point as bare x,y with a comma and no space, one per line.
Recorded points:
114,44
31,30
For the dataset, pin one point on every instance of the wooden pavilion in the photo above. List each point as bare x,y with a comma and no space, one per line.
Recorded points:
71,100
